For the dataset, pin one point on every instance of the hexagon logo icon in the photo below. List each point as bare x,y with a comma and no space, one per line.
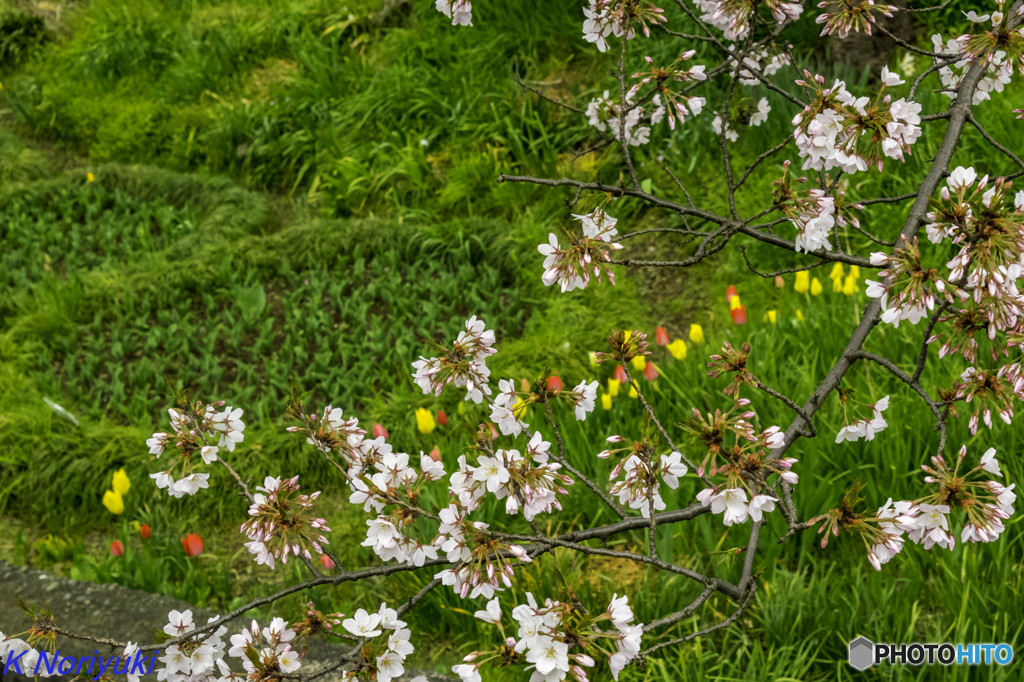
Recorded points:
862,653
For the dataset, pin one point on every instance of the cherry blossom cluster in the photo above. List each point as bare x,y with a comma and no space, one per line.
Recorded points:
735,17
861,420
679,105
814,212
985,502
1001,45
385,646
634,125
745,463
838,130
746,115
483,562
265,653
199,432
531,482
842,17
987,224
759,63
282,522
553,640
990,390
586,255
908,289
464,365
608,18
642,473
199,658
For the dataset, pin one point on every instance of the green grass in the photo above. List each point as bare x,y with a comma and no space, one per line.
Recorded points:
325,196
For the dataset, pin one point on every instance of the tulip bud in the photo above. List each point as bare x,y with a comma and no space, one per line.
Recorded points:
729,293
554,383
435,454
117,548
661,336
739,315
145,531
442,418
379,431
327,562
650,372
193,545
620,375
424,420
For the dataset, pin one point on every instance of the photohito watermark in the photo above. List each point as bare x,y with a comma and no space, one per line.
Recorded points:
864,653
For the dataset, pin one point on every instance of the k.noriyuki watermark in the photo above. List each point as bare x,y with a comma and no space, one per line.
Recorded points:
30,662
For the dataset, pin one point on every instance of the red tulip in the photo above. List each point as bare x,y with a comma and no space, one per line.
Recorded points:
650,371
620,375
661,336
739,315
117,548
327,562
442,418
379,431
435,454
145,531
555,383
193,544
729,293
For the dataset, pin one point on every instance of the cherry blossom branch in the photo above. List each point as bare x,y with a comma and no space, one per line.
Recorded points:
564,461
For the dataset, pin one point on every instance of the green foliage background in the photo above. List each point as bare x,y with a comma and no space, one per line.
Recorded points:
235,194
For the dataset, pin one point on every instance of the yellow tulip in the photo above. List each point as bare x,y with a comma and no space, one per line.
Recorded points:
89,177
627,335
837,271
593,358
424,420
855,271
734,303
632,391
850,285
800,315
113,502
678,349
606,401
772,316
613,387
815,286
120,482
696,334
639,362
803,282
520,408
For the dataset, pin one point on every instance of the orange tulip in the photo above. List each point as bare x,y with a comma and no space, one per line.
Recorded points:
739,315
620,375
650,372
145,531
117,548
379,431
555,383
327,562
661,336
193,544
442,418
729,293
435,454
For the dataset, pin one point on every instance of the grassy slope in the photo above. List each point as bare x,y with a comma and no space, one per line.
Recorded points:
236,293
